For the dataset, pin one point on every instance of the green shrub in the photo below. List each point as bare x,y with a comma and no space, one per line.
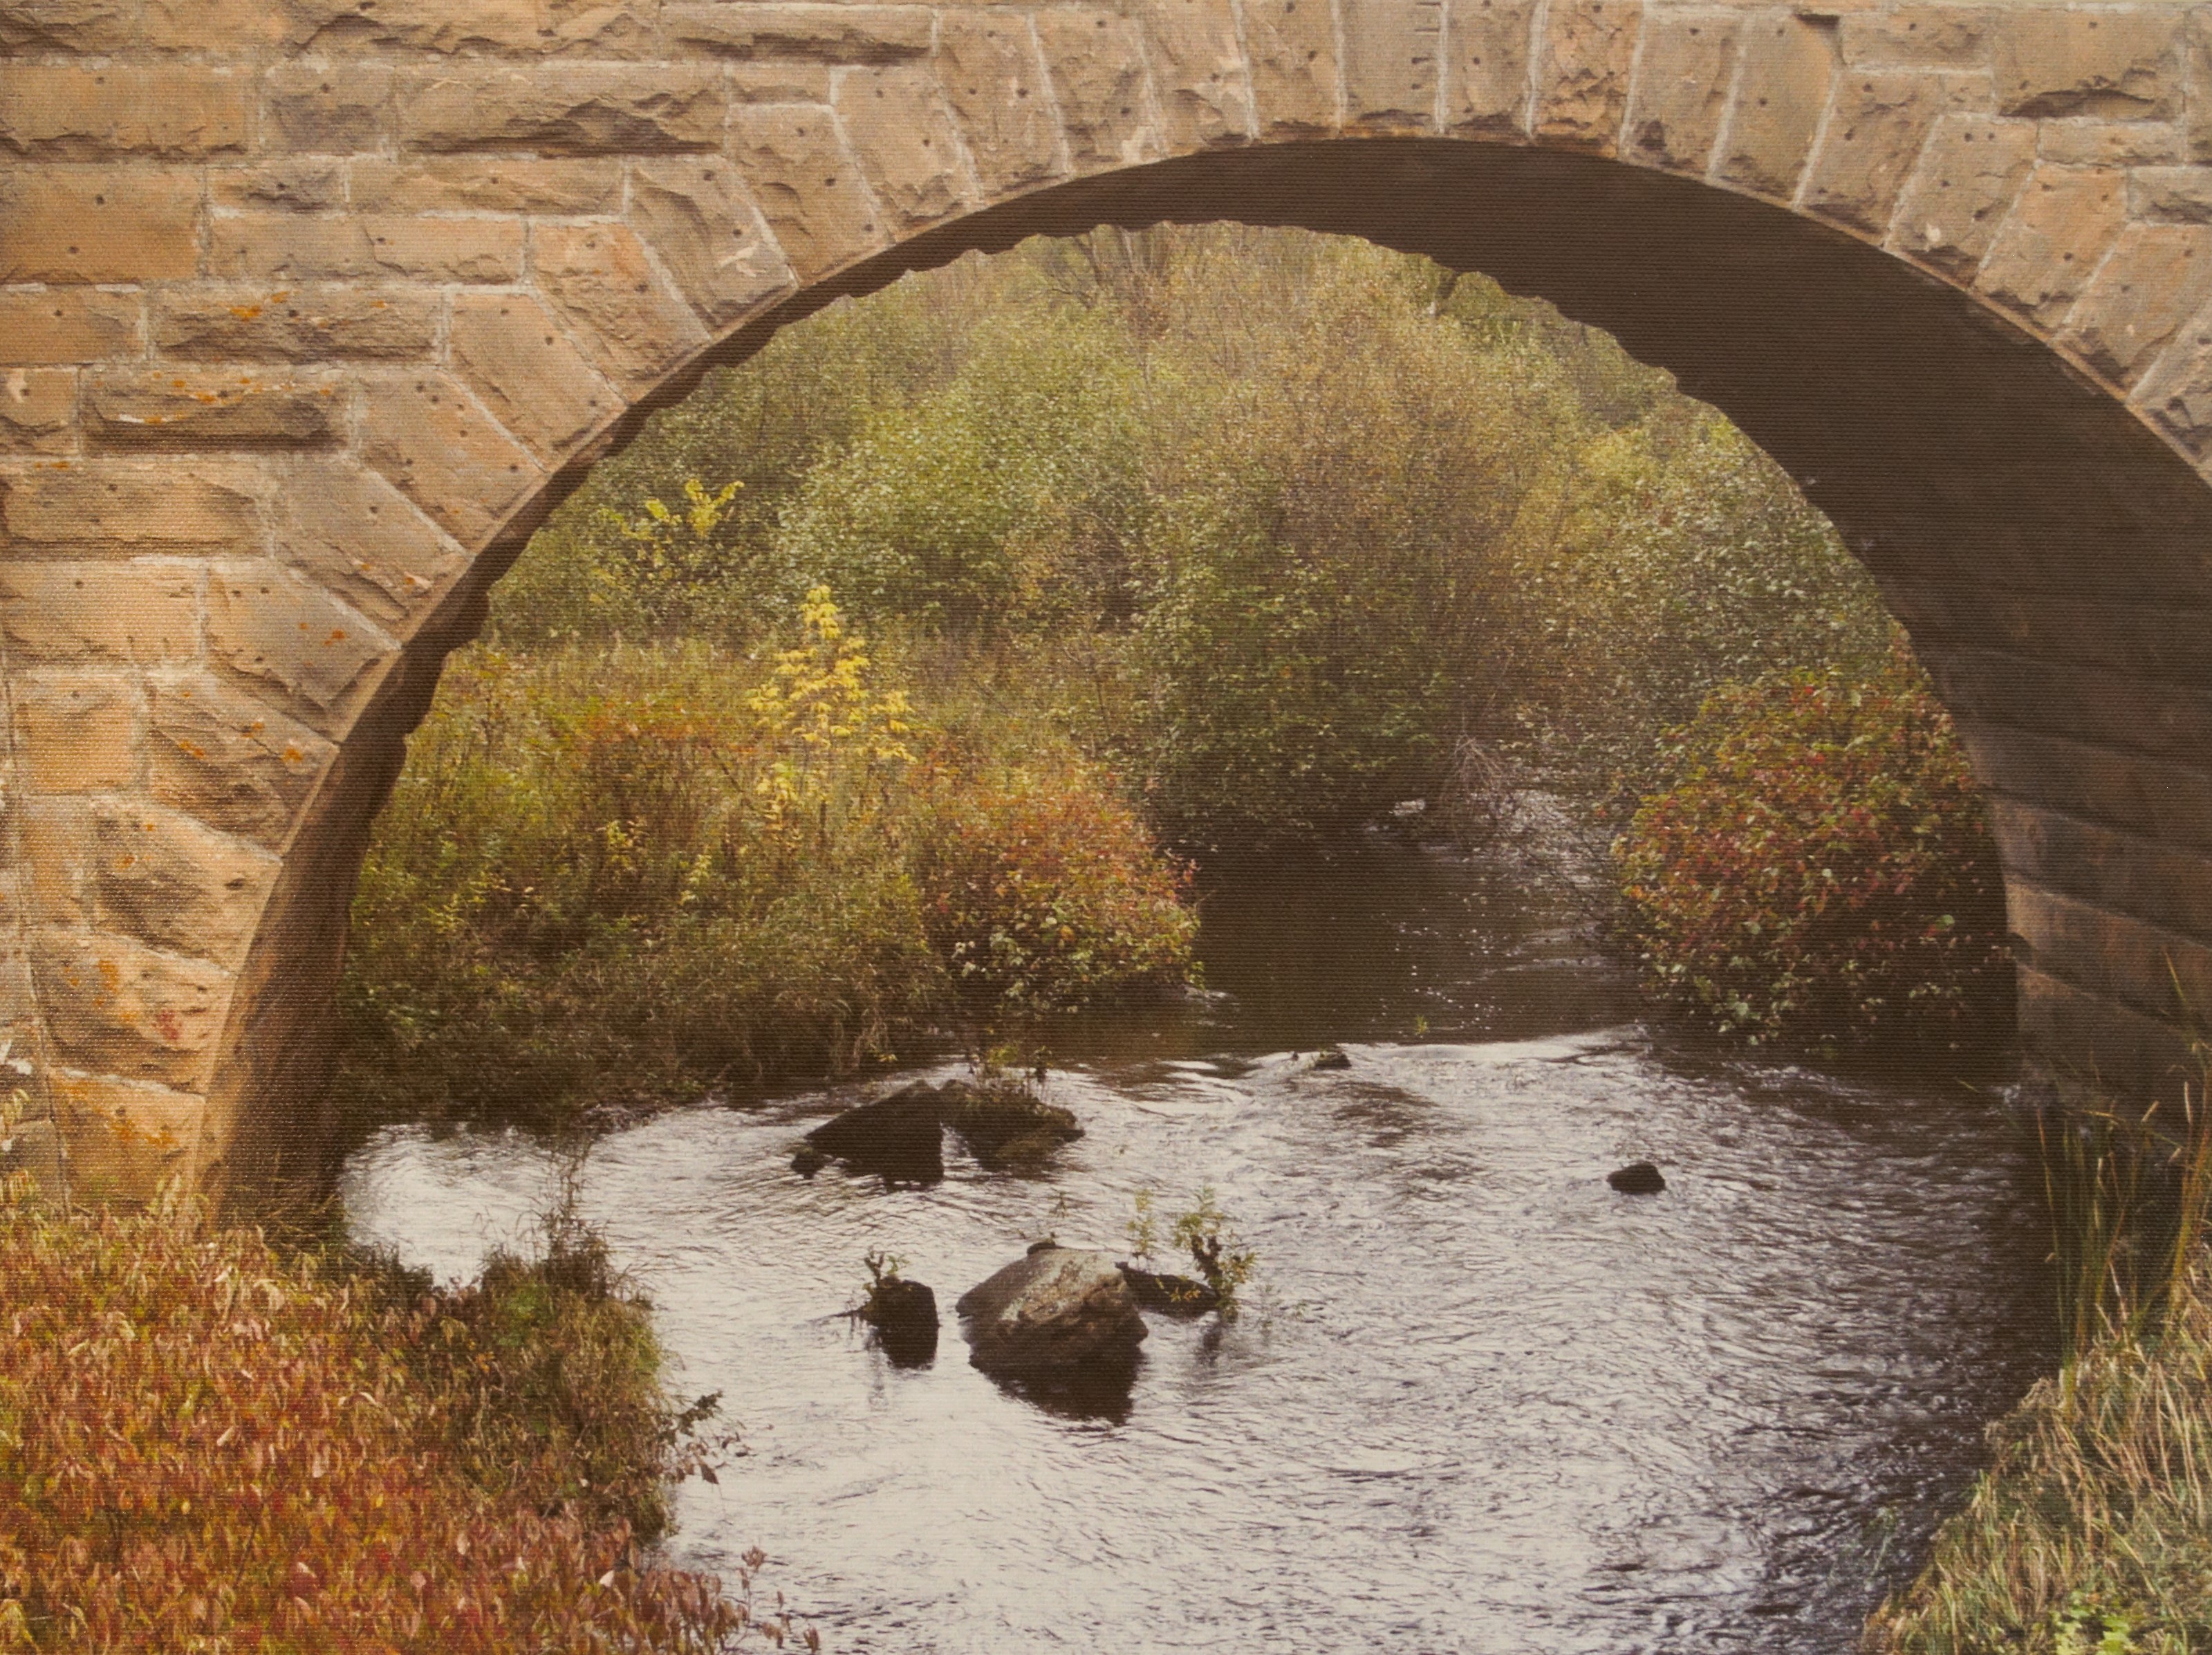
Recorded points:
1821,870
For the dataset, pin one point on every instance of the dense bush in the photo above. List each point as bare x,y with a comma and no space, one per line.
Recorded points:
1820,870
207,1446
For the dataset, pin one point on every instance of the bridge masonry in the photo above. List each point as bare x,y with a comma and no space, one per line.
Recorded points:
309,309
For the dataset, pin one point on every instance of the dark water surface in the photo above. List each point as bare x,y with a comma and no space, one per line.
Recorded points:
1485,1404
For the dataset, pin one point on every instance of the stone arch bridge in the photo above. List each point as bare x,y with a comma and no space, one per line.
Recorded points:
311,309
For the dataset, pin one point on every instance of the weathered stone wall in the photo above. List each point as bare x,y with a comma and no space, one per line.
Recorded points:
309,309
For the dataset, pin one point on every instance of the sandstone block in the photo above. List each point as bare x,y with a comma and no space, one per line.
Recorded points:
67,325
2199,54
51,508
164,879
2066,219
208,25
38,411
1487,91
303,248
70,112
87,26
70,224
1390,67
1198,71
353,533
2107,866
780,81
127,614
121,1141
292,644
1919,37
2112,143
694,214
600,29
1966,182
329,107
809,189
447,184
198,409
1681,91
56,847
1880,124
993,76
2099,60
1097,62
2171,195
824,34
622,314
2176,391
564,109
514,356
428,437
308,324
116,1007
1295,65
2157,278
308,185
228,759
448,26
1581,74
76,733
1789,65
904,136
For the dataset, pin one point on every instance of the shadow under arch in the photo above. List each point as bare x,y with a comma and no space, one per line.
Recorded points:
2050,553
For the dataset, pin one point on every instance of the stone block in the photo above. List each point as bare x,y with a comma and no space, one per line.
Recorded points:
1487,68
1958,197
2198,52
1391,64
86,26
120,1141
228,759
442,26
310,184
49,510
1096,59
2105,865
1919,37
303,324
2097,60
304,247
72,111
514,357
429,438
1295,65
70,224
809,189
1789,65
621,314
822,34
67,325
162,878
132,613
116,1007
904,136
564,109
1198,71
2112,143
518,184
601,30
1681,90
56,846
2156,278
292,644
1582,71
76,733
2153,971
992,75
38,411
337,108
2171,195
694,214
1880,124
199,409
2066,220
353,533
2176,393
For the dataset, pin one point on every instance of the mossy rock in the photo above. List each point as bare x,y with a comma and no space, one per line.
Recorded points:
1006,1126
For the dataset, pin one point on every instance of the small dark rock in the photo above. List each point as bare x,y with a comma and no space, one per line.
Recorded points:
904,1316
1174,1295
1332,1059
808,1160
897,1136
1641,1179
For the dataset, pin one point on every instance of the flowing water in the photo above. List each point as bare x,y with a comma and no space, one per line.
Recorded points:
1482,1403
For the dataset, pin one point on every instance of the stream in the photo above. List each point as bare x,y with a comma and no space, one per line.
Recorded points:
1477,1400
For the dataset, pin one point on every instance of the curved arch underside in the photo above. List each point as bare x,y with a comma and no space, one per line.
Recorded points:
2010,458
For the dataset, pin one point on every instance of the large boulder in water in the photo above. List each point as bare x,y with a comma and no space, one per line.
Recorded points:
1059,1308
898,1136
1004,1123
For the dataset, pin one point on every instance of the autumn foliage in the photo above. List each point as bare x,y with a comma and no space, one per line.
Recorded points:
1821,870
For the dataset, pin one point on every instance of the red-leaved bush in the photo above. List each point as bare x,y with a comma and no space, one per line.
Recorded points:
206,1447
1821,872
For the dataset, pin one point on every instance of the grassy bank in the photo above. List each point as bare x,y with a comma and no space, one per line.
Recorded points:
210,1444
